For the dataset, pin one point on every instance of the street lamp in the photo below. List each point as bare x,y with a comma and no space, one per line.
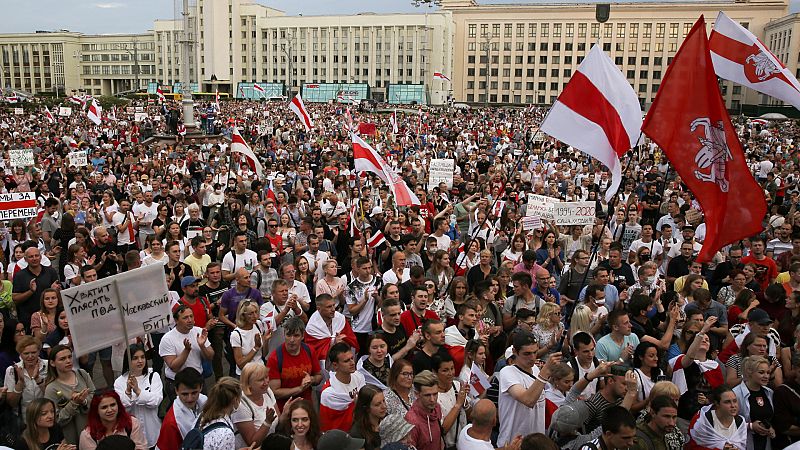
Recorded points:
135,55
487,47
288,50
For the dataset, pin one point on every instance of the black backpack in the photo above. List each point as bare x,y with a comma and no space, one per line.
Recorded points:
195,438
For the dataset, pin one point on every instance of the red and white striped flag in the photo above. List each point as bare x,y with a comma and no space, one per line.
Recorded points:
478,382
13,98
349,120
48,115
239,145
498,208
440,76
95,112
77,100
160,94
598,113
298,107
376,239
741,57
258,88
216,100
366,159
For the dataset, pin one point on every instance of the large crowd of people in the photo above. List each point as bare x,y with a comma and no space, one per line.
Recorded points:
296,325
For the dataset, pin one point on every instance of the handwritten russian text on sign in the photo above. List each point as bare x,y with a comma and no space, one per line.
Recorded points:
18,205
95,310
540,206
531,223
574,213
64,111
21,157
441,171
139,116
78,159
19,111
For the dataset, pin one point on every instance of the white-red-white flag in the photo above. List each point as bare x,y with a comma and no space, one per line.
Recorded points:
48,115
216,100
12,98
598,113
440,76
298,107
741,57
393,120
376,239
499,206
160,94
478,382
239,145
95,112
258,88
368,160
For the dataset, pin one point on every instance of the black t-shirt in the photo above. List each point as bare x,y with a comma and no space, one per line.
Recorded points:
422,361
760,409
395,341
109,267
22,283
651,215
214,295
621,277
56,436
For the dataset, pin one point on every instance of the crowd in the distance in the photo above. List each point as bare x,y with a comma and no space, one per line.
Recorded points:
296,326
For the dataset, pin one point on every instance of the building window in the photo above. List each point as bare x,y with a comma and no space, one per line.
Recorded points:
618,60
673,46
471,46
608,30
542,73
660,29
687,27
595,30
554,73
471,59
581,46
545,30
631,74
632,47
496,30
645,46
645,61
568,59
643,74
656,74
473,29
556,46
607,46
634,30
659,46
531,30
570,30
484,30
507,30
642,88
648,30
543,59
520,46
557,30
673,31
520,30
543,46
621,30
581,30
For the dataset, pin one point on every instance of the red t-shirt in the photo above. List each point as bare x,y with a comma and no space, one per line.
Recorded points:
293,370
410,322
766,270
200,310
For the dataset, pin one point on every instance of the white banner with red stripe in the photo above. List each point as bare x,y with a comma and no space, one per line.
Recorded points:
18,205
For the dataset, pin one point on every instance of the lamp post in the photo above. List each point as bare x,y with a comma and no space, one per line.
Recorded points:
288,50
135,55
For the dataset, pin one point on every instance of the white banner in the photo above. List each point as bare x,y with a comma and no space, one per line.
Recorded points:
441,170
64,111
78,159
19,111
18,205
139,116
540,206
530,223
95,310
21,158
574,213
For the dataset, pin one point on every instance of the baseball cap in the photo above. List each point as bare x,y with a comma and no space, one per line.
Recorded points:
187,280
339,440
759,316
569,418
376,210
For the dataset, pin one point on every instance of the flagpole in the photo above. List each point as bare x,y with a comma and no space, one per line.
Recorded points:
596,245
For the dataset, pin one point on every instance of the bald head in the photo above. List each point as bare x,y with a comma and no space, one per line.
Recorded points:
483,414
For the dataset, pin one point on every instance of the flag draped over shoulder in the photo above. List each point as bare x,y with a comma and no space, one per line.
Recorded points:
688,120
597,113
741,57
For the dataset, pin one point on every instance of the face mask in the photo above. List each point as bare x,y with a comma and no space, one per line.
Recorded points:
648,280
600,301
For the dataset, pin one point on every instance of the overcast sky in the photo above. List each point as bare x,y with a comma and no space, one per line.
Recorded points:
131,16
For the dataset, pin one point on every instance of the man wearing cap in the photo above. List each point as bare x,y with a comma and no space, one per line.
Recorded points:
199,305
339,440
758,322
521,403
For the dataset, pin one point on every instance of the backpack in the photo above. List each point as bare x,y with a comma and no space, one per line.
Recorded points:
195,438
279,355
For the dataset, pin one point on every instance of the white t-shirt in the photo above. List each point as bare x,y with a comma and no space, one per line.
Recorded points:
467,442
516,418
147,214
246,340
248,260
442,242
315,262
391,277
172,345
591,388
250,412
447,400
123,237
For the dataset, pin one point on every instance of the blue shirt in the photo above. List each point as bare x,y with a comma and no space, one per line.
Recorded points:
608,350
612,296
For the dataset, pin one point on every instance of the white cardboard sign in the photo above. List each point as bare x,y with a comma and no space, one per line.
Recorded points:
64,111
21,157
95,310
441,170
78,159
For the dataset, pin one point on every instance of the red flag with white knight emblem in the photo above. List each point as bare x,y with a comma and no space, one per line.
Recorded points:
741,57
688,120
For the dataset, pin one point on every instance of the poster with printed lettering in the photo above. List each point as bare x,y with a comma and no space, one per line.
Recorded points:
541,206
96,310
78,159
574,213
21,157
441,171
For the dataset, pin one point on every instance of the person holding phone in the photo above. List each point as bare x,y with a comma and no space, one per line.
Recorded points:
756,402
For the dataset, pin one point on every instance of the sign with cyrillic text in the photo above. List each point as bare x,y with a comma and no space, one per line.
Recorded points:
18,205
574,213
441,171
21,157
541,206
95,310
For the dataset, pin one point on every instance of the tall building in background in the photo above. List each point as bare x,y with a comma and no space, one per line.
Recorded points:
492,53
527,53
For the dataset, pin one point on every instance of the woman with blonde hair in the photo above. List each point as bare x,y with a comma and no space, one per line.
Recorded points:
255,416
581,321
755,402
548,329
42,432
215,419
250,335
